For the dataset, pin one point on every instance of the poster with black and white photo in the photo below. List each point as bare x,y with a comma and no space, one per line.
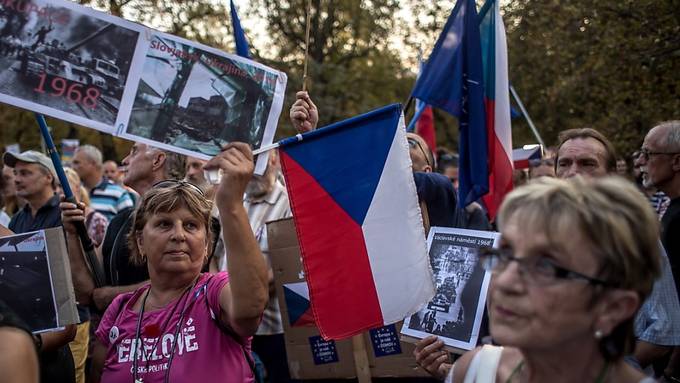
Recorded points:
35,279
65,60
194,99
455,313
76,64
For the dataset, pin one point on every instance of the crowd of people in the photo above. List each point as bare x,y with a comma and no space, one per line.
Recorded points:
584,282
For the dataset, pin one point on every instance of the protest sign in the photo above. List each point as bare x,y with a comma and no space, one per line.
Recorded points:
35,279
83,66
68,149
455,313
309,355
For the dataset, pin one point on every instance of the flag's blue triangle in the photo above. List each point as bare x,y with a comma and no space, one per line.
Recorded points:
297,304
347,158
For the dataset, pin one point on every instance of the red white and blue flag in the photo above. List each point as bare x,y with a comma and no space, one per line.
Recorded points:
497,99
297,304
358,221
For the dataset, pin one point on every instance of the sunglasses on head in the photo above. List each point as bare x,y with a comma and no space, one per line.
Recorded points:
413,143
538,162
177,184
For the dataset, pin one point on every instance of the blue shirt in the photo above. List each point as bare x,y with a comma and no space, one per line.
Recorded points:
658,320
109,199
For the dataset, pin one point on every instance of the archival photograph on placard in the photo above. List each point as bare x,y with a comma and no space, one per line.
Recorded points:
65,60
26,282
455,313
197,99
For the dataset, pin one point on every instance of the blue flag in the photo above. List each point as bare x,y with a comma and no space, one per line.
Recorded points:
239,36
453,80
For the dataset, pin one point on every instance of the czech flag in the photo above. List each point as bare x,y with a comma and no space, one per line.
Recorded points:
297,304
497,99
358,222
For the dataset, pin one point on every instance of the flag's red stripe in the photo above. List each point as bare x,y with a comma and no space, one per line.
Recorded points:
500,167
425,128
334,255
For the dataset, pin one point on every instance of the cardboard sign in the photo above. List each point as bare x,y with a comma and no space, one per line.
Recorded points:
35,279
309,356
93,69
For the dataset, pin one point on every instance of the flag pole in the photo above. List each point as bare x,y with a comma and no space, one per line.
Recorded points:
96,268
526,116
304,73
412,124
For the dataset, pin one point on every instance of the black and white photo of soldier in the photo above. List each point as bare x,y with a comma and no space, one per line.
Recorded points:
458,280
60,58
25,283
198,101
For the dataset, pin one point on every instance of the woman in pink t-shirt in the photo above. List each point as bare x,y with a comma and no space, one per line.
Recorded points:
186,326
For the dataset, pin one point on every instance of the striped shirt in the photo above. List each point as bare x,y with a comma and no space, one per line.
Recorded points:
108,198
272,207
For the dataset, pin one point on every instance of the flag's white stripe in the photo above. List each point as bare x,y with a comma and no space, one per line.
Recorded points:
395,238
299,288
502,97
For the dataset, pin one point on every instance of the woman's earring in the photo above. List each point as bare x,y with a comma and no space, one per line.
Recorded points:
598,334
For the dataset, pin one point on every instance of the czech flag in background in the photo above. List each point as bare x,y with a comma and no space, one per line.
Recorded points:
497,99
358,222
297,304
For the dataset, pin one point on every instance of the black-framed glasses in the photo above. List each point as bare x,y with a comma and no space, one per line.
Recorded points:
644,153
178,183
534,270
413,143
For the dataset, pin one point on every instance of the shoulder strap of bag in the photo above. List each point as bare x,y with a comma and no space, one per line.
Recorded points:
484,365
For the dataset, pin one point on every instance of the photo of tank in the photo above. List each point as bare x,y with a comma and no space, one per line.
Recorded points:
198,101
64,59
455,269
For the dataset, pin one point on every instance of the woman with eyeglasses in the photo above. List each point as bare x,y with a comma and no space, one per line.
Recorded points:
185,326
576,260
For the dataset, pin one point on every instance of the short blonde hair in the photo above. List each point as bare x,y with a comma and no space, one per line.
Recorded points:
165,199
74,178
615,218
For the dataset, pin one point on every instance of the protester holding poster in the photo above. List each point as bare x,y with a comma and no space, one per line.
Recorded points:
184,325
562,300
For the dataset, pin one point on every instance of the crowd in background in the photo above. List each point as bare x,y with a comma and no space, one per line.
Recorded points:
173,247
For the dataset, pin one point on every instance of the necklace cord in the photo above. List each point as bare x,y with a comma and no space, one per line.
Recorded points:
176,333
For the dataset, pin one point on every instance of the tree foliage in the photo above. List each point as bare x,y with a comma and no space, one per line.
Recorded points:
610,65
351,69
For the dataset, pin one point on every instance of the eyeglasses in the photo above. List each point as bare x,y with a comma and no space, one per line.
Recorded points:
534,270
413,143
177,183
645,153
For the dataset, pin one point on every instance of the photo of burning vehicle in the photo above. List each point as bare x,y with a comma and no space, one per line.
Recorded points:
198,100
63,59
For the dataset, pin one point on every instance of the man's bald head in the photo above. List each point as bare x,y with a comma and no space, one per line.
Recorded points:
421,155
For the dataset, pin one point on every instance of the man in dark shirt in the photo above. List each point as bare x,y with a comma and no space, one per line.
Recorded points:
659,162
35,181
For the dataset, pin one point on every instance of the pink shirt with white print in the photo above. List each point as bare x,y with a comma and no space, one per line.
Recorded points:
204,352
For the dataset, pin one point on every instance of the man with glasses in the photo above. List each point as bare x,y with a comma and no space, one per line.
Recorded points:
659,161
586,152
